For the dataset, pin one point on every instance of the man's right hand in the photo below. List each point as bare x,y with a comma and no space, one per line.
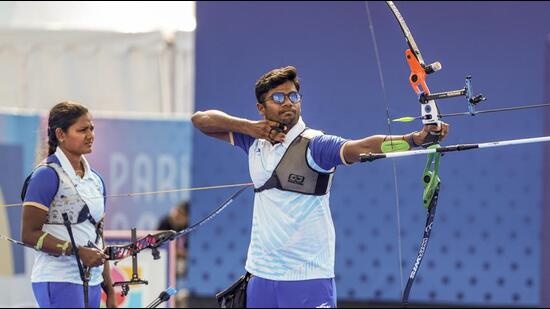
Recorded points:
269,130
91,257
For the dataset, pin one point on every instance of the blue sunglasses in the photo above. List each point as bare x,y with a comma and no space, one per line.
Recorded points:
279,97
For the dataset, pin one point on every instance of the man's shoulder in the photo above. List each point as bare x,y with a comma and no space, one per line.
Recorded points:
311,133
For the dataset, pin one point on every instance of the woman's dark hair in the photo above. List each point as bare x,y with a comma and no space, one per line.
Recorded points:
276,78
63,115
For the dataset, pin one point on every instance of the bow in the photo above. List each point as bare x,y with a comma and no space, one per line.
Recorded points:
430,115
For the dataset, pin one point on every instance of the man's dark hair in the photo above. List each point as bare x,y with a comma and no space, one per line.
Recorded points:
275,78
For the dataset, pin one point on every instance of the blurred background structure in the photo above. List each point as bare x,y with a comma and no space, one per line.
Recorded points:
143,68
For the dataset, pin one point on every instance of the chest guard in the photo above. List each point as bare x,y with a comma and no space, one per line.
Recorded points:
66,200
293,172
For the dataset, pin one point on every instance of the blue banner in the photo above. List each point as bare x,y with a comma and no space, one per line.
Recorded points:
18,139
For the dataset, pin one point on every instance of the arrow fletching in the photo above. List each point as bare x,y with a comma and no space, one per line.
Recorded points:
404,119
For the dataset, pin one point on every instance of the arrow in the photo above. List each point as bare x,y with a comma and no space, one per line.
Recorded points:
452,148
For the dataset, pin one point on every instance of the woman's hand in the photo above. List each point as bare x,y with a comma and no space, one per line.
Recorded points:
91,257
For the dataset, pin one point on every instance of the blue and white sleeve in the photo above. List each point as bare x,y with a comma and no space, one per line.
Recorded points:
326,152
42,188
241,140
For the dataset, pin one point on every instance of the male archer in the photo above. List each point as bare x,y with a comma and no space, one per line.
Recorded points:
292,248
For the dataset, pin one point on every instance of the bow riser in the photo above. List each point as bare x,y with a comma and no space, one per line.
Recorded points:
417,78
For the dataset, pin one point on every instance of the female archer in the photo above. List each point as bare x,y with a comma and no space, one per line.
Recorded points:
60,198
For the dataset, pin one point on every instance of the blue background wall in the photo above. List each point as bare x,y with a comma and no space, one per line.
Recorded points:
486,243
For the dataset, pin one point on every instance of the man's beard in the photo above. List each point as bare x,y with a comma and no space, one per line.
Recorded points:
290,121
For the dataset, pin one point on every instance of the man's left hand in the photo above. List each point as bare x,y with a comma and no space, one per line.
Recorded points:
431,134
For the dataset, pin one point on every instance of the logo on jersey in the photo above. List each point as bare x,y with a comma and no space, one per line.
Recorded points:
296,179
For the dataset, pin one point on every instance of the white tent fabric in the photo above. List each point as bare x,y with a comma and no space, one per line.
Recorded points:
110,72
